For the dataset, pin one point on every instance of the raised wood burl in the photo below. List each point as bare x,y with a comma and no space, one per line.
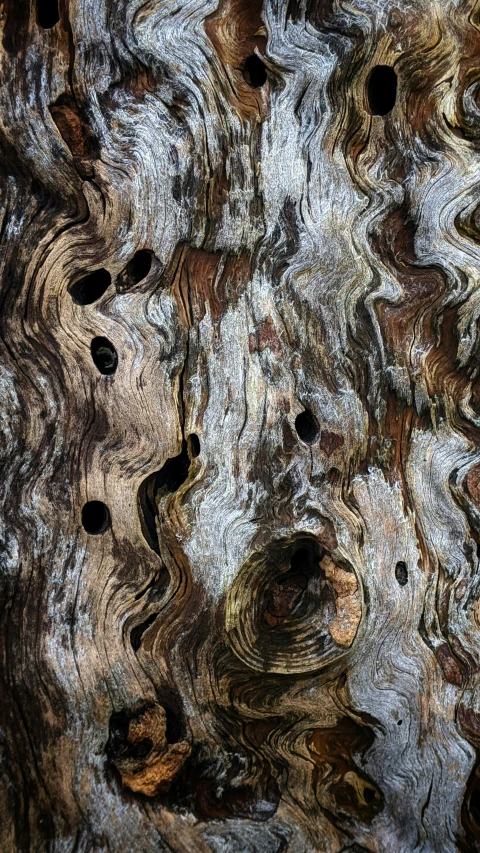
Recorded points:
240,426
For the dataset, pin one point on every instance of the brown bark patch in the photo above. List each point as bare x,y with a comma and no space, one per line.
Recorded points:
348,605
338,781
330,441
266,337
208,280
76,134
450,666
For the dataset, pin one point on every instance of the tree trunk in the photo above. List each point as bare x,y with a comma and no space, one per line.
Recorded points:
240,419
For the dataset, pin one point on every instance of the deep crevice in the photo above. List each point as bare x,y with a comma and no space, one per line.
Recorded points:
73,125
137,633
157,485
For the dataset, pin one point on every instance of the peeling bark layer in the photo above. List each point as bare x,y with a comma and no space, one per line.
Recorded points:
240,413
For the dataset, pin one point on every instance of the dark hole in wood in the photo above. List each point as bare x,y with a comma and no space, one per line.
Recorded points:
91,287
118,745
369,795
173,474
104,356
401,573
174,731
399,722
194,445
139,266
307,427
254,71
302,563
95,517
117,735
148,511
137,633
284,595
382,90
47,13
158,485
474,805
143,748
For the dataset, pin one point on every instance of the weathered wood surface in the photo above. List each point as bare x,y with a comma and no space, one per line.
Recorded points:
272,643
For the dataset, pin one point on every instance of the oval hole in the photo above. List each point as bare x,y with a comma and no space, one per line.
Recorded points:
401,573
91,287
254,71
95,517
382,90
193,445
104,356
47,13
139,266
307,427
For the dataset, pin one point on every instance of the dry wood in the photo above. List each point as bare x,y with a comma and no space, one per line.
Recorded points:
240,304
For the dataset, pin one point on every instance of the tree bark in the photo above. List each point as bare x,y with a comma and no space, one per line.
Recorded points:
240,426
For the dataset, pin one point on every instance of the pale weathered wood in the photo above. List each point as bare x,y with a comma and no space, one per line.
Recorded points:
239,307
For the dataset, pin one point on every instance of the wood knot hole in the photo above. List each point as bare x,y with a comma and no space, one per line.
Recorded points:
307,427
91,287
401,573
381,90
193,442
254,71
139,266
104,356
95,518
47,13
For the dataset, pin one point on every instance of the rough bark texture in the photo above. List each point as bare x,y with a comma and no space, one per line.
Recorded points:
240,304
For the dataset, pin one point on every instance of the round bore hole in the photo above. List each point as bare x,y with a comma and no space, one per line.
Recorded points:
307,427
47,13
139,266
193,445
95,517
401,573
104,356
254,71
91,287
382,90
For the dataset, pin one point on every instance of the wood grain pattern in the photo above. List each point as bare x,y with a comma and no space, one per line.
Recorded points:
240,305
